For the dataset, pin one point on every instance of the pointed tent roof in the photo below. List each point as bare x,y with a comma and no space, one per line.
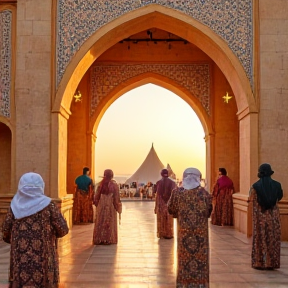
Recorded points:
149,170
171,174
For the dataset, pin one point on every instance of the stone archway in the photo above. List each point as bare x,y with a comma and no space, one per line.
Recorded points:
162,75
6,166
162,18
6,158
185,27
157,79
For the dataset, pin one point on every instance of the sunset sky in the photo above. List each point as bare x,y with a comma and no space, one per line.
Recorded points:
145,115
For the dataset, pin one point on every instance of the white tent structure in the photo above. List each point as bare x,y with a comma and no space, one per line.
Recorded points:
171,174
150,169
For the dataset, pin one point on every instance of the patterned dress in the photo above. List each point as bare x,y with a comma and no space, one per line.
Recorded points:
266,235
107,206
82,208
164,219
223,202
34,257
192,209
83,197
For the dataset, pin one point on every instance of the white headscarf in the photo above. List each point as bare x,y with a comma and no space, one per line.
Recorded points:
30,197
191,178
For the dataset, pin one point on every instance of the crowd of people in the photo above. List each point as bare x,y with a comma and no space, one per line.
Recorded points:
34,223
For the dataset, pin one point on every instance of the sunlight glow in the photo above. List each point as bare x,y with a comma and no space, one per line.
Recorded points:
145,115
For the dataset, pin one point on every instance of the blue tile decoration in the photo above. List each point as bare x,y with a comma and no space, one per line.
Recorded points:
195,78
231,20
5,61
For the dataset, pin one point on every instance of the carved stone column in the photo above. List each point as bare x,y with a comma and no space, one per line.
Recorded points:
248,150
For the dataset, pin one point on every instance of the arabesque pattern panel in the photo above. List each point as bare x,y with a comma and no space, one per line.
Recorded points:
5,61
231,20
193,77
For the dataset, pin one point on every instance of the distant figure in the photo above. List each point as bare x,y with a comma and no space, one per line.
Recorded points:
107,202
265,195
32,226
83,197
192,206
222,200
149,192
164,188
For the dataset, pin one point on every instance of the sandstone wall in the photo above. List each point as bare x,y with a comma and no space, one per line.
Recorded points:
273,116
33,88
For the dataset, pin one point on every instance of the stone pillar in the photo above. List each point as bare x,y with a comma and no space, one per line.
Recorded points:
248,144
209,140
33,88
58,184
91,141
273,119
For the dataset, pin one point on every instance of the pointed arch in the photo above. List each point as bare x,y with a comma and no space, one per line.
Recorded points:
156,79
186,27
166,19
6,155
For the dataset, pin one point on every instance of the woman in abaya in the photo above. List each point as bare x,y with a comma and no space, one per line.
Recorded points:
32,226
192,206
265,194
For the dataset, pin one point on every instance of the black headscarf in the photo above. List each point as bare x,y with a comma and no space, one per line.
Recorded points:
268,190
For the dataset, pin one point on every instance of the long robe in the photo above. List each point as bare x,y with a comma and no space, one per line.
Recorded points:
33,255
266,244
164,188
107,206
192,209
82,208
223,202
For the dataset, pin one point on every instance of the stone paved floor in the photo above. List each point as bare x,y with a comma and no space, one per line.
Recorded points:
141,260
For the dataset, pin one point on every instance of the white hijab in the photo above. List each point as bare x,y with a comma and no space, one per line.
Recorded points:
191,178
30,197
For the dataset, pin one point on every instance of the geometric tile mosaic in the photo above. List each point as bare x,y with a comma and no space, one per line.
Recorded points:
79,19
193,77
5,61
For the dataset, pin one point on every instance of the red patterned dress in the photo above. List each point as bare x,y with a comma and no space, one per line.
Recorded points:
164,219
223,202
107,206
192,209
266,235
34,257
83,197
82,208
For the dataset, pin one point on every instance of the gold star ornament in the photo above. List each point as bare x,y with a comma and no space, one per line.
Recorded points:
226,97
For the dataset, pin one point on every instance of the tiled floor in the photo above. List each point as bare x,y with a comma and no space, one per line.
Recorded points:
141,260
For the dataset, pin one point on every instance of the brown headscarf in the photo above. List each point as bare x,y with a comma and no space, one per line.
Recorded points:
165,186
108,176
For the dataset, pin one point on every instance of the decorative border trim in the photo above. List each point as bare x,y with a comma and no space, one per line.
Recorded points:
193,77
5,61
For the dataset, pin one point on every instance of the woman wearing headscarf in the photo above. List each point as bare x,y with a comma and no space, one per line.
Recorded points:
164,188
32,226
264,195
223,190
191,204
107,202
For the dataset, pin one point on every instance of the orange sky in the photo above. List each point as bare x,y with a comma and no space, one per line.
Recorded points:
145,115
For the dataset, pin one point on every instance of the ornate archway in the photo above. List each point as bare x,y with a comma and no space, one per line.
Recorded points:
159,17
185,27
